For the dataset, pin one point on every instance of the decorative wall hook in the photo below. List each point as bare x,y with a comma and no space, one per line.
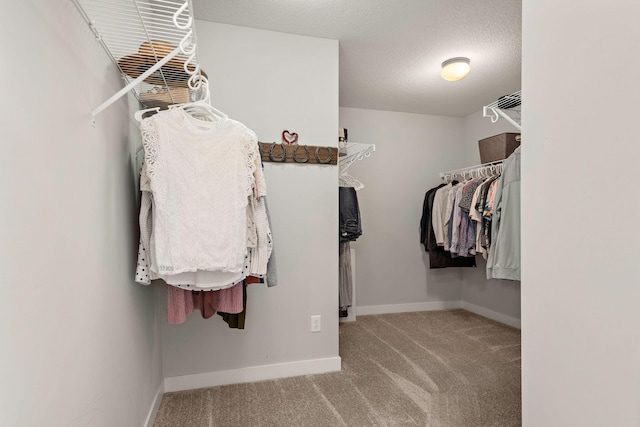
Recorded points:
291,153
277,159
294,153
325,160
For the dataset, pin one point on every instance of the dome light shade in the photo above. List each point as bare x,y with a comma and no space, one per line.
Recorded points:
455,69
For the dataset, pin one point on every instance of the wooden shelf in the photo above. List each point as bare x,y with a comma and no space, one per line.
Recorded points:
318,155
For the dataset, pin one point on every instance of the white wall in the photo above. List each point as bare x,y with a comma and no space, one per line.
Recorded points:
271,82
80,340
411,151
498,299
580,272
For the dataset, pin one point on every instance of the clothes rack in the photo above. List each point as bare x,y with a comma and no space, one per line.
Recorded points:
485,169
353,152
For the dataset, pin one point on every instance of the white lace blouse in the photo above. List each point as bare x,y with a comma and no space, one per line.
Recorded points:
201,177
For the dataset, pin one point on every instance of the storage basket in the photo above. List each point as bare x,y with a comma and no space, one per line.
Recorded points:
498,147
161,97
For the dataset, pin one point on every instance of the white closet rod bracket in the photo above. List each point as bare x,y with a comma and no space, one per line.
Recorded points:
491,113
496,109
180,11
497,113
133,84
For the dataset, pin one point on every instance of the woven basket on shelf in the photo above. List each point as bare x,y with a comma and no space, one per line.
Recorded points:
163,97
498,147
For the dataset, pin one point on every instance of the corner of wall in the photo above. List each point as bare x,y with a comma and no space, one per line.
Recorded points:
155,406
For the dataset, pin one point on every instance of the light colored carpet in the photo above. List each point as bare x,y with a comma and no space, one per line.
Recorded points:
437,368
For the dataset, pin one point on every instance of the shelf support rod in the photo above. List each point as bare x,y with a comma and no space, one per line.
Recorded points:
509,119
132,84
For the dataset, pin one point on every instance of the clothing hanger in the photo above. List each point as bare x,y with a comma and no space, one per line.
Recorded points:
346,180
201,109
139,115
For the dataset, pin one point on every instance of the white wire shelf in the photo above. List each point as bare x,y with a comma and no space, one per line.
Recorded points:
152,43
509,107
354,151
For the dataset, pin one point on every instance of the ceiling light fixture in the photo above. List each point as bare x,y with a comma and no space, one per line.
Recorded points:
455,69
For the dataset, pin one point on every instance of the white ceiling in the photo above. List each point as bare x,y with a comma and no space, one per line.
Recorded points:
391,50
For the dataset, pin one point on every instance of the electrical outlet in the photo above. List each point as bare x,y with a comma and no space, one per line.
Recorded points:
315,323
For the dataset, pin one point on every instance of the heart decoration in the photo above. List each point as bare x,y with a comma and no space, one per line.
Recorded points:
289,137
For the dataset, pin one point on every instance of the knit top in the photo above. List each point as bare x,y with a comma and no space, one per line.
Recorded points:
201,175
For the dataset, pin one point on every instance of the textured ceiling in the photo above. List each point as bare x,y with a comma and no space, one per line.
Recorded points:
391,51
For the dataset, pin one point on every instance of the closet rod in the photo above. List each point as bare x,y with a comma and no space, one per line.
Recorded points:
497,163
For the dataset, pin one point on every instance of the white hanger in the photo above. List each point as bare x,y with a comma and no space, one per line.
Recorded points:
346,180
139,115
201,110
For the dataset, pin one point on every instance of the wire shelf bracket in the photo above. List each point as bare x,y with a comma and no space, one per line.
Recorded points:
122,27
499,108
354,151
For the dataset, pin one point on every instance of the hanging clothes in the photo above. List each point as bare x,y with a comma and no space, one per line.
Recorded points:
179,305
428,211
200,191
436,215
504,256
237,320
478,216
203,219
467,243
438,256
272,271
345,290
350,225
205,301
350,228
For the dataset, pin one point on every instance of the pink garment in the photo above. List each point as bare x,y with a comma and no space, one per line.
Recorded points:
179,305
206,302
230,299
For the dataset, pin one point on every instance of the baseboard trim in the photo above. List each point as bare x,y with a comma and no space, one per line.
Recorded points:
404,308
252,373
493,315
153,412
438,305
